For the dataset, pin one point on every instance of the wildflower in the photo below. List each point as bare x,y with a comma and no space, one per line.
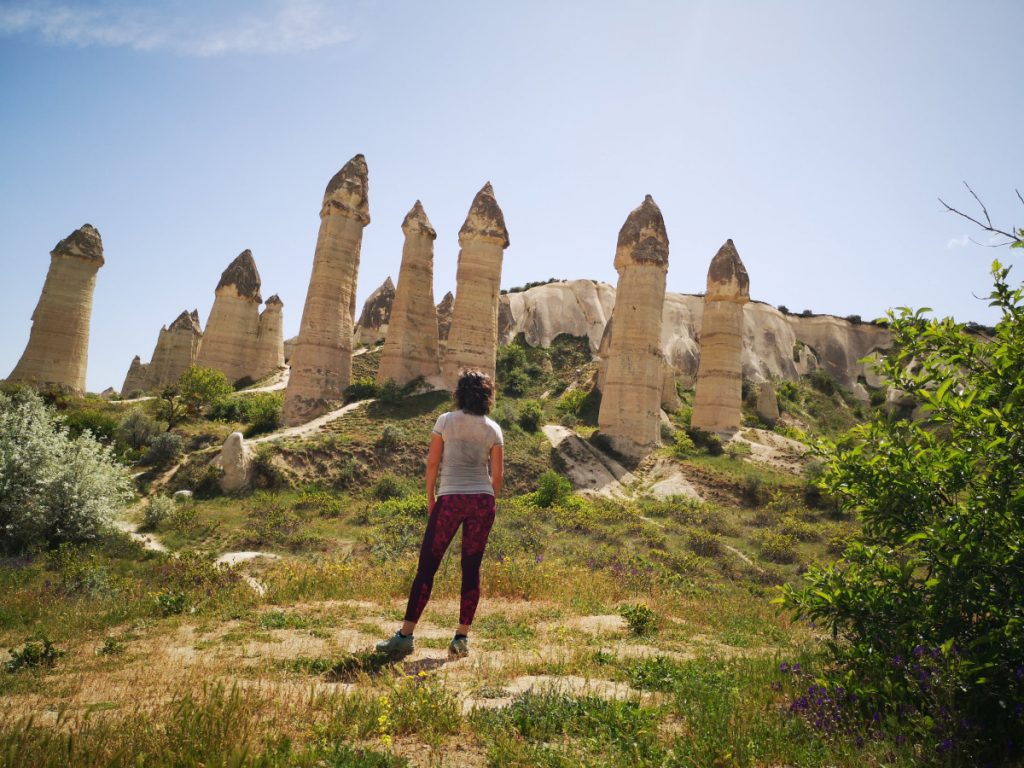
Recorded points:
783,667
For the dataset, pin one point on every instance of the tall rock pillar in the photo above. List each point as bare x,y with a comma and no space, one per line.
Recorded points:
410,349
473,337
719,394
321,365
270,340
176,350
57,353
630,413
229,341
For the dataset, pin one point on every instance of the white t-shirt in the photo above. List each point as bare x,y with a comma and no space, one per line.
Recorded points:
466,461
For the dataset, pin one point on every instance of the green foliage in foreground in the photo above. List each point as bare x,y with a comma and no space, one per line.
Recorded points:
53,488
927,612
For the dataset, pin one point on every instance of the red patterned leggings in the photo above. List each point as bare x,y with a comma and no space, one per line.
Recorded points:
475,512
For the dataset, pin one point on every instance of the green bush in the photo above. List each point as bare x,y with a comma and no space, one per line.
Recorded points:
706,441
37,652
200,388
388,487
927,607
137,428
777,547
53,488
552,489
390,438
704,543
362,389
640,619
163,449
102,426
531,414
682,445
157,511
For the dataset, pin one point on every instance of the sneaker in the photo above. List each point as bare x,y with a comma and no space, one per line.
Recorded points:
458,648
396,646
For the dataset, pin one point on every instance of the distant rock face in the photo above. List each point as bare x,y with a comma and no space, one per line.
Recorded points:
630,415
775,346
473,336
176,348
444,316
270,338
718,400
411,349
373,321
57,353
229,343
235,460
321,365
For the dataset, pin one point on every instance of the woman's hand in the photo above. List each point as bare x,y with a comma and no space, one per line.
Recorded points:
433,465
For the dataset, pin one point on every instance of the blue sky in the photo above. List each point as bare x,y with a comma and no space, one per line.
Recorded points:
817,135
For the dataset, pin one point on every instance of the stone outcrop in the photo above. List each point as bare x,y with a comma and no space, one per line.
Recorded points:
176,348
57,352
321,365
444,316
411,348
236,462
270,338
630,415
767,404
576,307
376,315
473,337
718,399
229,343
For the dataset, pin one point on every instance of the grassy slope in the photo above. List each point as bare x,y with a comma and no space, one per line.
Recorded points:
158,647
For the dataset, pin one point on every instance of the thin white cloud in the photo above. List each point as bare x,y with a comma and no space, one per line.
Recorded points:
280,26
959,242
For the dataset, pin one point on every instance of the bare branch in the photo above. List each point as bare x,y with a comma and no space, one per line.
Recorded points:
981,204
987,224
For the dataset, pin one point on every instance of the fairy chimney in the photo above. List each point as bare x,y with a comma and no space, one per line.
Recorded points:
270,339
411,348
176,349
137,378
444,316
473,337
630,414
719,391
229,342
58,345
373,321
321,365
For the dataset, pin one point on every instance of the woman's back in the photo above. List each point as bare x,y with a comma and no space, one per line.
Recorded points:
468,440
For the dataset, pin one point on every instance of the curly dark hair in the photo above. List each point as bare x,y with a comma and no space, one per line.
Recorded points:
474,393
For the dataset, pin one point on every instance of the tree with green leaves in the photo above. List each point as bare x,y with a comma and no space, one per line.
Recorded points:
199,388
926,610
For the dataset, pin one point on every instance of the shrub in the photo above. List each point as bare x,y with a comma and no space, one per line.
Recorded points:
263,412
822,382
777,547
163,449
388,487
137,428
265,471
100,425
362,389
682,445
157,511
53,488
390,438
706,441
552,489
531,414
572,402
926,608
736,450
640,619
391,393
704,543
200,388
37,652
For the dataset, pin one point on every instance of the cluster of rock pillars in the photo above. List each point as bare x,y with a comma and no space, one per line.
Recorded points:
423,340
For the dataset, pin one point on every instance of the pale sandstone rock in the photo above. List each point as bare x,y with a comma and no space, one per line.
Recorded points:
840,345
631,397
719,390
576,307
229,343
321,365
444,316
376,315
411,348
269,354
137,378
473,337
57,352
235,460
767,404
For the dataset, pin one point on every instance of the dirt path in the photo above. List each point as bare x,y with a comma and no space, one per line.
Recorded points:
310,427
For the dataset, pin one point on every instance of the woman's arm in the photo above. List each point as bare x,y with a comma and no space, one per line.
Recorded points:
497,468
433,465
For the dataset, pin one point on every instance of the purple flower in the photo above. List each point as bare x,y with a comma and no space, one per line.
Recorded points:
795,668
945,745
784,667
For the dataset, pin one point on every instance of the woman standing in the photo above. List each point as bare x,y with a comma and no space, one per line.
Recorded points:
467,447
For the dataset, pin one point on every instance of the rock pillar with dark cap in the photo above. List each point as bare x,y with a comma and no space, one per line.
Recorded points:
176,350
630,415
410,349
57,353
230,338
473,336
321,365
719,393
375,318
270,339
